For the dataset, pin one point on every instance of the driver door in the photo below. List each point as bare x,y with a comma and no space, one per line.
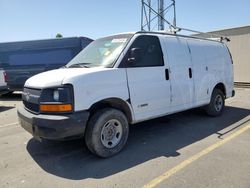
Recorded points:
148,79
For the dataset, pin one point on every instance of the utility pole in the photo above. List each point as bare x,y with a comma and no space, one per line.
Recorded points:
154,12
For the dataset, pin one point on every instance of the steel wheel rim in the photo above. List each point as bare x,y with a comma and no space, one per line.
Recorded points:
218,103
111,133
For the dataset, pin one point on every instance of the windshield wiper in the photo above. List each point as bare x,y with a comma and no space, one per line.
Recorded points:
80,65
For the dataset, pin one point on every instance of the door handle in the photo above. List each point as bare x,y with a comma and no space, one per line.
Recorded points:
190,73
166,74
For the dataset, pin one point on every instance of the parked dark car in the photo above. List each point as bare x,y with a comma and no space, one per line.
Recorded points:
21,60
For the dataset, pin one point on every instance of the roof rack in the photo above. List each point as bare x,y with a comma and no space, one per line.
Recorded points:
154,11
213,36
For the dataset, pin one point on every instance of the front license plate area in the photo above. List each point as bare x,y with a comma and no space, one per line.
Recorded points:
27,126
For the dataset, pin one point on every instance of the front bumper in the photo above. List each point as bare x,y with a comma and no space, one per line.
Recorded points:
53,127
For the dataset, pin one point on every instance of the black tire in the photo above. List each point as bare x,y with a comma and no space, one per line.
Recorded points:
217,103
98,125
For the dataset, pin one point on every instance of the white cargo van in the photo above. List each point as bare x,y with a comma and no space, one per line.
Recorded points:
124,79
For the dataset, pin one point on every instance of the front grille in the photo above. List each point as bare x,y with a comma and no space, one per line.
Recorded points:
31,99
31,106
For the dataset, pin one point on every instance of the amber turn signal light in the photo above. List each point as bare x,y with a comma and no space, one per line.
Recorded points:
56,107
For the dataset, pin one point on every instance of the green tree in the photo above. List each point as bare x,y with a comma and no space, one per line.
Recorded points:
59,35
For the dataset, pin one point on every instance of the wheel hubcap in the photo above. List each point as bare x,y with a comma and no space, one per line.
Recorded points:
218,103
111,133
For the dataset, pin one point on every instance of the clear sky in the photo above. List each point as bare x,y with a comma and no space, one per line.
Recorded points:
40,19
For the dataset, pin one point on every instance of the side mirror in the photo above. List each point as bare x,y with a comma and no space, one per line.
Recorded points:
135,55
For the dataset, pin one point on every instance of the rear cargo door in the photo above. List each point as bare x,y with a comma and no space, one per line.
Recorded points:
181,73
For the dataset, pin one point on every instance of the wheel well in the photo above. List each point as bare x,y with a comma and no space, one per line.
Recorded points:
116,103
221,87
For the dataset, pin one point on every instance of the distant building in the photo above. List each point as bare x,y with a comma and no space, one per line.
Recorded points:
240,48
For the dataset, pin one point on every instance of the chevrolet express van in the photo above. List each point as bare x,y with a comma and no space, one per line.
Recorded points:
124,79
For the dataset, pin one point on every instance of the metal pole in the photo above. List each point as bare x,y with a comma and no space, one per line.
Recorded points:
161,14
142,4
174,21
149,15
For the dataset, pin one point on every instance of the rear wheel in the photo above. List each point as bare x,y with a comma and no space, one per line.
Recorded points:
217,103
107,132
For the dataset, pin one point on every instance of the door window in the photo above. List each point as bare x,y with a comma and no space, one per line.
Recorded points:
151,53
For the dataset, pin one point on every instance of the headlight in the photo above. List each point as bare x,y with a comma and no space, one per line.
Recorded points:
58,99
56,95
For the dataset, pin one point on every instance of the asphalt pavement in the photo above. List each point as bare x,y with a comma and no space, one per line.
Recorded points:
187,149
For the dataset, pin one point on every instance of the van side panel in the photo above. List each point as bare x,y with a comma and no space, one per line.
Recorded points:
211,65
219,66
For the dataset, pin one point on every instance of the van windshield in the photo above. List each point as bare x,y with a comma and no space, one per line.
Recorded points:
101,53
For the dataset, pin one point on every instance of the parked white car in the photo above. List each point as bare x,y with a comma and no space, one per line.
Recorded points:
124,79
3,84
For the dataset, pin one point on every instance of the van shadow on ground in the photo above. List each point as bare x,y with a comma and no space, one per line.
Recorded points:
148,140
5,108
16,96
9,97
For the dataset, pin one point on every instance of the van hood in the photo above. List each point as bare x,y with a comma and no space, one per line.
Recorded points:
56,77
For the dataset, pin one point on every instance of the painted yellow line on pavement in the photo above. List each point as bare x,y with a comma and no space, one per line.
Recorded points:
187,162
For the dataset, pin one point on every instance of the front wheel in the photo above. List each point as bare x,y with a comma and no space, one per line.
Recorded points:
217,103
107,132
